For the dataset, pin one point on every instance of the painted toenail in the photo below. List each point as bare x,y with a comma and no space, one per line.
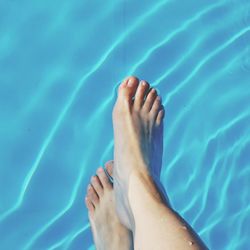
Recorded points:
159,98
130,82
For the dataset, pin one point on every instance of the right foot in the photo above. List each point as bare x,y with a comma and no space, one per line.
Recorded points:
138,133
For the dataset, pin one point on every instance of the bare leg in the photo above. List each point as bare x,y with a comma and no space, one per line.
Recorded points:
138,131
108,232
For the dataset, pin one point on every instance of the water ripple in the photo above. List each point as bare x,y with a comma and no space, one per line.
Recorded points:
205,60
67,106
53,56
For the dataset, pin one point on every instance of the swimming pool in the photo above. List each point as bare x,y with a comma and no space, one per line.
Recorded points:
60,64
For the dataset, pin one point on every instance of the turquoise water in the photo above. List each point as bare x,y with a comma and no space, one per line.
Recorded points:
60,64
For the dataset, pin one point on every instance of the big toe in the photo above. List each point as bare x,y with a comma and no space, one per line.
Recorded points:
128,88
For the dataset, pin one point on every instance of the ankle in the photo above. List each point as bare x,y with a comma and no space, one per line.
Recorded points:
142,183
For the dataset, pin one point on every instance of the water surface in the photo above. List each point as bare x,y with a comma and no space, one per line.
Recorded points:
60,64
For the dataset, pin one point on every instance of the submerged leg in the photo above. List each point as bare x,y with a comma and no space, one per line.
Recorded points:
138,132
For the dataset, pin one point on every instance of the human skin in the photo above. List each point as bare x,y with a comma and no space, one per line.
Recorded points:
107,230
139,214
138,131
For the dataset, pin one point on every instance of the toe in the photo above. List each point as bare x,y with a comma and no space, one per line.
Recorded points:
89,205
109,167
140,94
96,184
92,195
103,178
155,107
128,88
160,116
150,100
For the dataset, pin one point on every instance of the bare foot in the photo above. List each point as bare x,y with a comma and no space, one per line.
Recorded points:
108,232
138,133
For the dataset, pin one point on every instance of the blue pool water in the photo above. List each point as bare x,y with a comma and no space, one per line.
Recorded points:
60,64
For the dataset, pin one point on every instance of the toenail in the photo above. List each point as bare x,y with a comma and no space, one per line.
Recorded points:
143,82
153,91
89,187
130,82
123,83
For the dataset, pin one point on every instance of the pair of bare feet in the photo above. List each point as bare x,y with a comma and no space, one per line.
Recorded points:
120,212
138,131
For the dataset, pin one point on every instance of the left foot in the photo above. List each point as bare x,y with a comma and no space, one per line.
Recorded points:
108,232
